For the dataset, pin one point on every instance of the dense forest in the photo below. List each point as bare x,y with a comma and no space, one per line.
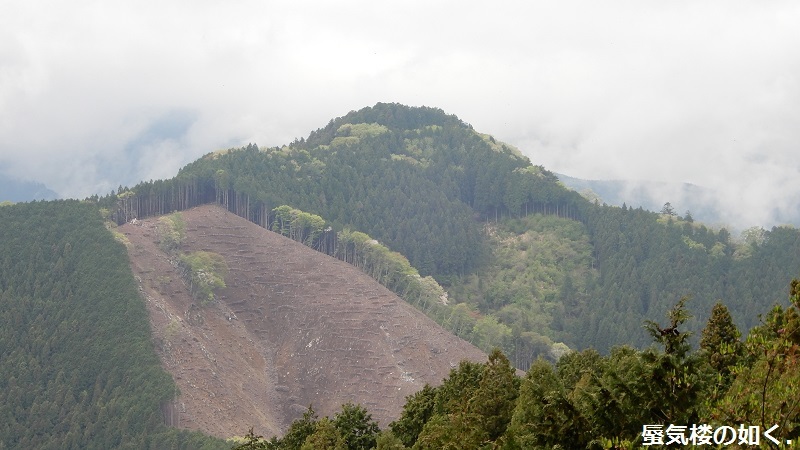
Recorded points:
467,229
725,393
528,265
79,371
77,365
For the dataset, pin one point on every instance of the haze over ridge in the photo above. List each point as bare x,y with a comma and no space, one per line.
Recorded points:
98,95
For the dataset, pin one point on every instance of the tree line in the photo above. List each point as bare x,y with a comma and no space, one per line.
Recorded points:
427,186
667,394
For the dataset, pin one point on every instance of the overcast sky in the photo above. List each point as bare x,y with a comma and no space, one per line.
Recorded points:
94,94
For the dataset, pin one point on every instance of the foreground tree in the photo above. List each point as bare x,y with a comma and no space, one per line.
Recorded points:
356,427
494,401
386,440
325,437
766,388
720,341
416,413
299,431
545,416
677,378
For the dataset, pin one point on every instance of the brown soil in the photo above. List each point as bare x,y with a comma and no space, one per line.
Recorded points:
293,328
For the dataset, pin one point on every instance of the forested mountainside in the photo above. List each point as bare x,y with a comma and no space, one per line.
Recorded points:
78,369
426,185
77,364
421,202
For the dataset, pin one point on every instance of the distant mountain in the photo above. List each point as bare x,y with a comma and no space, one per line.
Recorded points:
16,190
650,195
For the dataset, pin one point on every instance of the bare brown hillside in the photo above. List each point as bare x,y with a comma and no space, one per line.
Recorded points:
294,327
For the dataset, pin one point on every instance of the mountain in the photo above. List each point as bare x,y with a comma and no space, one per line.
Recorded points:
651,195
16,190
457,224
293,328
456,205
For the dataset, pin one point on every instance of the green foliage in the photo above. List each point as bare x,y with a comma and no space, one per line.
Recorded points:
77,364
458,388
766,388
427,186
361,130
298,225
440,417
326,436
418,409
537,280
388,441
251,441
119,237
455,431
674,341
171,232
489,333
720,340
299,431
205,272
544,415
352,428
356,427
644,262
496,396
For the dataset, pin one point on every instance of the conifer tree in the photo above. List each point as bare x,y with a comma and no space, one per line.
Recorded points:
720,340
299,430
356,427
544,416
324,437
494,401
416,413
676,378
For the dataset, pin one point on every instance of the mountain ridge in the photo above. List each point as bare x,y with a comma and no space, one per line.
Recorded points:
425,184
16,190
651,195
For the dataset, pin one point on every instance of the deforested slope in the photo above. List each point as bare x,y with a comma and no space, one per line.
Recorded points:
293,327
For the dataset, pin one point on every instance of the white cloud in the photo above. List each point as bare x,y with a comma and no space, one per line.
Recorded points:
703,92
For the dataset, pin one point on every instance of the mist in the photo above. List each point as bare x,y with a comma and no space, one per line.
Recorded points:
97,95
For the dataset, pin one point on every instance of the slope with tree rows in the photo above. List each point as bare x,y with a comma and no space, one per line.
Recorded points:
426,185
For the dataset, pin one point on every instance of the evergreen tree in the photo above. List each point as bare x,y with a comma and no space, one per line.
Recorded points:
544,416
356,427
418,409
388,441
720,340
676,378
494,401
300,430
325,437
